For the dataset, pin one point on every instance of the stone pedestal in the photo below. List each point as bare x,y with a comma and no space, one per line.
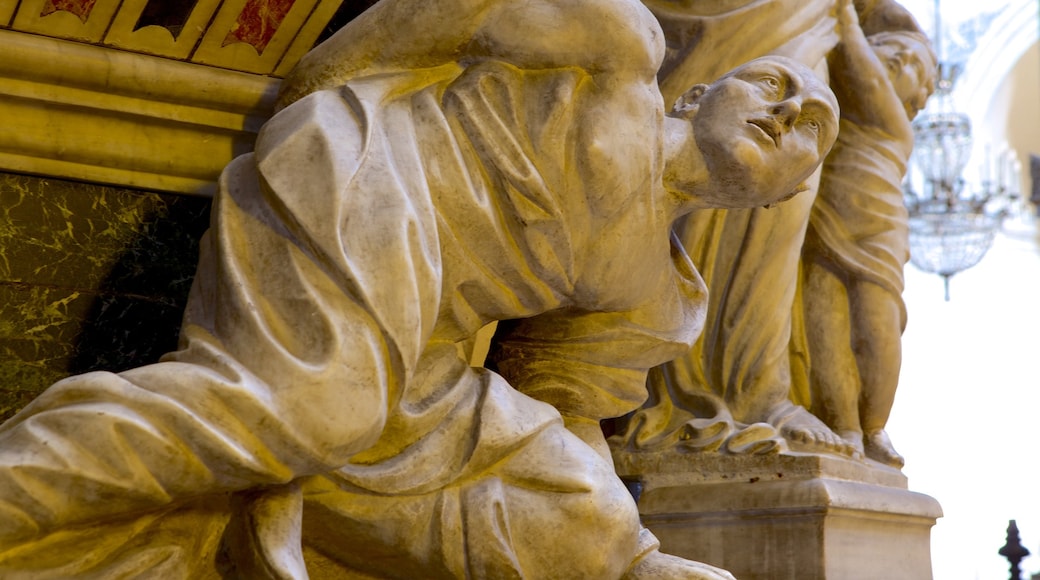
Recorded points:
786,516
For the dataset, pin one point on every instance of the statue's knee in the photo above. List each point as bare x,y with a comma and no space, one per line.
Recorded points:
618,511
609,541
335,438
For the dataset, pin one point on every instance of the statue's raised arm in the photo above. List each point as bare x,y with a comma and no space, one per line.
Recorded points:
537,34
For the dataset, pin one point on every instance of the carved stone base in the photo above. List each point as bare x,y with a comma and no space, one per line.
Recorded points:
787,516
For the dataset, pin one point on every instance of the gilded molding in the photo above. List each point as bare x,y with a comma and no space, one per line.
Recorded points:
85,112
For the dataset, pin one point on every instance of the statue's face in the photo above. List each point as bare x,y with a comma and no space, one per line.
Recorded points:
763,128
905,60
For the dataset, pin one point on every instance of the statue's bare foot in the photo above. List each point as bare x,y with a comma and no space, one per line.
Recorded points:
853,438
804,432
651,564
878,447
659,566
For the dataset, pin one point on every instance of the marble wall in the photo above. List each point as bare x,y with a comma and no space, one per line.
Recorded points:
91,278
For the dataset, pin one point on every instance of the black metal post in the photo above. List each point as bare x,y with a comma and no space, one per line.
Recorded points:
1013,550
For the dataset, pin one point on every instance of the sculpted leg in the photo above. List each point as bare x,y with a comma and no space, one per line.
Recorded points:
101,445
834,378
552,506
877,330
178,542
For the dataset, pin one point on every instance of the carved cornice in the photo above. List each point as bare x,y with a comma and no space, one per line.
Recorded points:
85,112
258,36
152,94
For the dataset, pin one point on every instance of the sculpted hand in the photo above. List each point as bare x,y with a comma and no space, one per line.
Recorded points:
651,564
847,18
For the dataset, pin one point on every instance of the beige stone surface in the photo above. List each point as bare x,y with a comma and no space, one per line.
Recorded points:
505,165
674,468
712,450
793,516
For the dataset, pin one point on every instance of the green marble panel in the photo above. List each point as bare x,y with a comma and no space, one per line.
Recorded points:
91,278
38,332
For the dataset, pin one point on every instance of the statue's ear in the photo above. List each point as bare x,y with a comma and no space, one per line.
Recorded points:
687,102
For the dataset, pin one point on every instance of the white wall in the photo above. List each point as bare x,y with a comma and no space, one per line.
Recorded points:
1011,117
968,405
1015,109
967,410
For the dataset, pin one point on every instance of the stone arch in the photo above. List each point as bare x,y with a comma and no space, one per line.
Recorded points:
1012,33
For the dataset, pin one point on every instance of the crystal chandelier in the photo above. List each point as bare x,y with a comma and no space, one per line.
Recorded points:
952,223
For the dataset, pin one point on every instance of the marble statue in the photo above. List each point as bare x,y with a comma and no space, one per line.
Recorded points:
733,391
434,166
858,238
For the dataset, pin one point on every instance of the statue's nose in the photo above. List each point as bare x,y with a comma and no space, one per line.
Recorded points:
786,112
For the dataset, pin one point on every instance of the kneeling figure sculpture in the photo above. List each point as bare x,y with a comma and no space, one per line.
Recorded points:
501,163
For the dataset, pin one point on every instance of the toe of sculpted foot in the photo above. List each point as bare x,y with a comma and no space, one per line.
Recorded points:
804,432
878,447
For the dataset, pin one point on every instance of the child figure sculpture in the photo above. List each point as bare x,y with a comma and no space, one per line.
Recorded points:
857,241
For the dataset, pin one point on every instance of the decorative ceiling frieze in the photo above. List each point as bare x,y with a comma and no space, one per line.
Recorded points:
149,94
90,113
169,15
258,36
257,23
80,8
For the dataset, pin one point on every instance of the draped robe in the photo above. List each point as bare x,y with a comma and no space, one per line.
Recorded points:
350,261
859,221
739,369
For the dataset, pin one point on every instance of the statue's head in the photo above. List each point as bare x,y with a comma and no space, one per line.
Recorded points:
911,65
761,129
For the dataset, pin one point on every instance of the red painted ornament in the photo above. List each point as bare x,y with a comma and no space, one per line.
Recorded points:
258,22
80,8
